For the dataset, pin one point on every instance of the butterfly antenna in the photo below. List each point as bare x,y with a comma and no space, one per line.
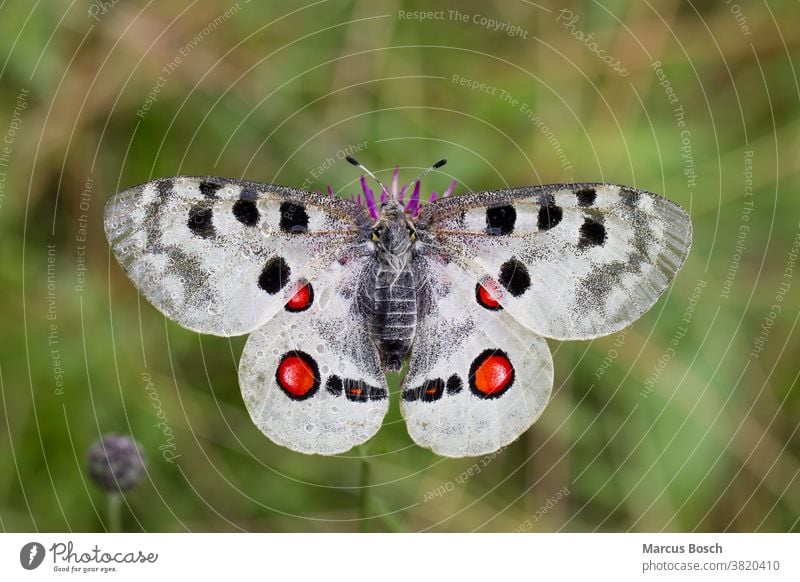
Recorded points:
438,164
358,164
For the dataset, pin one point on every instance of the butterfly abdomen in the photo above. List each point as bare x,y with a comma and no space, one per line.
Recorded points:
391,305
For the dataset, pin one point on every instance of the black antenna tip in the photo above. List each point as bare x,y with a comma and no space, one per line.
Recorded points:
439,164
352,160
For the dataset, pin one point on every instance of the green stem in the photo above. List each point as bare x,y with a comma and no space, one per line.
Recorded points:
114,508
363,495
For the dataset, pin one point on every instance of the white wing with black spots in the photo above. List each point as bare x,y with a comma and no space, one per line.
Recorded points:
311,377
572,261
477,379
220,256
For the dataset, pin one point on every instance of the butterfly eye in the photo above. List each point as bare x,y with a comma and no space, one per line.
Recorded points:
376,234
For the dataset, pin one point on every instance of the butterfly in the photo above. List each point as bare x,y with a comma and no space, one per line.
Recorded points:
335,293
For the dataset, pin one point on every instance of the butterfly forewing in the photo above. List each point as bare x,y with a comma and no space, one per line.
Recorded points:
569,261
220,256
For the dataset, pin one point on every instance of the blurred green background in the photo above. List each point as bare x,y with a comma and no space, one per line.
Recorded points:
686,421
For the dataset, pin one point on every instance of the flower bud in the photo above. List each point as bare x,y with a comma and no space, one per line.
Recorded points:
115,463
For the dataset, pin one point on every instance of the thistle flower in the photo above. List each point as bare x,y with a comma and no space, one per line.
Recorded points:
115,463
412,206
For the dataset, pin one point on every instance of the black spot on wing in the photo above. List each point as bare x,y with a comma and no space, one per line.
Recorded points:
294,218
454,384
500,220
514,277
334,385
428,391
592,234
275,275
209,189
586,197
246,212
549,216
431,390
201,221
377,393
360,391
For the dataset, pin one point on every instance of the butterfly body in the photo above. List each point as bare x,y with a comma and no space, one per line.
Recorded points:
389,295
335,294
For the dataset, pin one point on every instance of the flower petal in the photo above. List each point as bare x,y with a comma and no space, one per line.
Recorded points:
413,204
394,184
369,197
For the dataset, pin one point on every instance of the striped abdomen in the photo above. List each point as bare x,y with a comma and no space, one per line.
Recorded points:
392,310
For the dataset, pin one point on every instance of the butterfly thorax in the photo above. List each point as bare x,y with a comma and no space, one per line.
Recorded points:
389,294
393,236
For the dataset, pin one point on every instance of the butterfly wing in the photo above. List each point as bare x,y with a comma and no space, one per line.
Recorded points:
567,261
311,377
477,379
222,256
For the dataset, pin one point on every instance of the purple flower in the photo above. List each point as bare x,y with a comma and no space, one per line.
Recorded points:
413,206
115,463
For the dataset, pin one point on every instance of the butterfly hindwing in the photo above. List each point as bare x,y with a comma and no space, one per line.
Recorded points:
310,377
221,256
569,261
477,379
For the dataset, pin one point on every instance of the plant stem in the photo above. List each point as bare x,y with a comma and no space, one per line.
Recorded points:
114,508
363,494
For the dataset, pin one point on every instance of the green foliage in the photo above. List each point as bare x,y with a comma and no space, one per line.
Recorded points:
708,441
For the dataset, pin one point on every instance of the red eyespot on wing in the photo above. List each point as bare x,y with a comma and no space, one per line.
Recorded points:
486,293
491,374
298,375
302,299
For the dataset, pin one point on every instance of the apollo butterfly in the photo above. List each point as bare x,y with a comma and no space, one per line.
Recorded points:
335,293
